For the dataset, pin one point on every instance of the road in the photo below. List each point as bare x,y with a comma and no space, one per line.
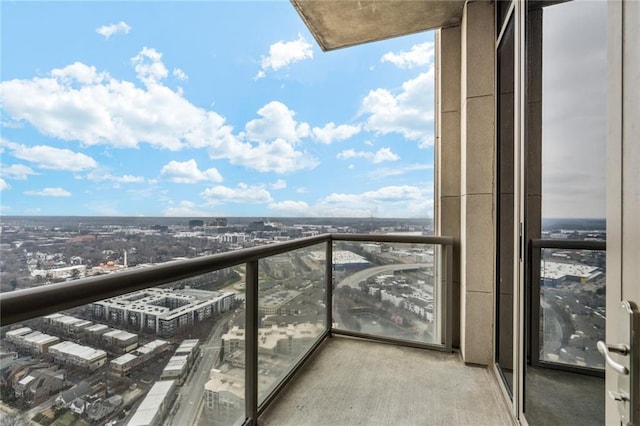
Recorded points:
354,279
191,393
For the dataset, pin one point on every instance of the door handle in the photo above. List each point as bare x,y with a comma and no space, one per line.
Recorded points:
605,350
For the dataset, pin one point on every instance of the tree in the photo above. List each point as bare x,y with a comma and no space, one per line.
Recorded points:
75,274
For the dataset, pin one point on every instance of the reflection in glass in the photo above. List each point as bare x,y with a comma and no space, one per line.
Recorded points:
388,290
153,355
572,300
291,312
566,89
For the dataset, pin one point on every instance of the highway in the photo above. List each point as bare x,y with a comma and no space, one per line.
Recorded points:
354,279
190,397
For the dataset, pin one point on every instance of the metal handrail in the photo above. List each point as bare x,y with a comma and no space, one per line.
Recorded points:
569,244
20,305
29,303
34,302
535,247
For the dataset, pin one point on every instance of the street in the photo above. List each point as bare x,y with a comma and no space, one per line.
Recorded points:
190,397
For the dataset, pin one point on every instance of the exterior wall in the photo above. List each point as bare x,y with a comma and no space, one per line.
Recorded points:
448,154
466,172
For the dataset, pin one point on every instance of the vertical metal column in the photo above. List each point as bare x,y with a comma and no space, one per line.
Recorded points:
329,282
251,343
448,294
535,257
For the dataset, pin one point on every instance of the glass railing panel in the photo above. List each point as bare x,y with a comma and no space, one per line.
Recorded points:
391,290
572,306
152,356
291,312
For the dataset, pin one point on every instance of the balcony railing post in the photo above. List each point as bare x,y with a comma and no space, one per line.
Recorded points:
329,279
251,342
448,294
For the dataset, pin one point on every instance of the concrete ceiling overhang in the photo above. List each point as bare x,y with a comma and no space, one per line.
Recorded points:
342,23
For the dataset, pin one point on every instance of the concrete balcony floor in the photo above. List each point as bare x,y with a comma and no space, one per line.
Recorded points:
356,382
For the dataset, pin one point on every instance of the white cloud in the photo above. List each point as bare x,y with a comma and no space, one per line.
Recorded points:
111,29
78,103
4,185
188,172
291,208
186,209
179,74
243,193
283,54
330,132
426,142
50,192
389,201
279,184
278,156
419,56
17,171
382,155
149,67
47,157
117,179
409,113
277,122
386,172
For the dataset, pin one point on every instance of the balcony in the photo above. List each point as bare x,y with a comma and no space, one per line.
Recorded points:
303,341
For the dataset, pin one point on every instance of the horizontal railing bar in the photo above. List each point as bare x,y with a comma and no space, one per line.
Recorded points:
571,368
569,244
29,303
394,238
389,340
33,302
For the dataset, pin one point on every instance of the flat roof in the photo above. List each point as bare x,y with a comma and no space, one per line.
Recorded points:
121,360
40,338
97,327
120,335
85,352
556,270
19,332
150,405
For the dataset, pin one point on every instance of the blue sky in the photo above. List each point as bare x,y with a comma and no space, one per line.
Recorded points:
207,109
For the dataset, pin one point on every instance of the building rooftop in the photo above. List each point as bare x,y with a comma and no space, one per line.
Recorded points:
121,335
557,270
85,352
148,408
123,359
220,383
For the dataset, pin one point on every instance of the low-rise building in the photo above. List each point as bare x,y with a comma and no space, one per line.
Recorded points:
78,355
123,365
289,340
33,341
162,311
225,396
120,341
151,410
